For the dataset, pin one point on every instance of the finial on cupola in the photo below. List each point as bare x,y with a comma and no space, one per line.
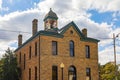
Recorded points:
50,9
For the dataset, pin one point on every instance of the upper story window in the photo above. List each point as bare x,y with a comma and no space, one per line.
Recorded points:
54,47
35,48
71,44
30,52
87,49
20,57
24,60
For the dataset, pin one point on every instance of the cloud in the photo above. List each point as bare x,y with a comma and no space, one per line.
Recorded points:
13,24
100,5
0,4
3,8
74,10
107,55
10,1
67,11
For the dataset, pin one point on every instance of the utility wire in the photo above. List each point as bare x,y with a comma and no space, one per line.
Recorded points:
5,37
15,31
30,33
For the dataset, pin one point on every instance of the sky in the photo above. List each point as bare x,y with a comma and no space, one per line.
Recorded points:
100,17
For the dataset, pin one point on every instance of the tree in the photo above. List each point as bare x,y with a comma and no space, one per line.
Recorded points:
9,69
107,71
1,70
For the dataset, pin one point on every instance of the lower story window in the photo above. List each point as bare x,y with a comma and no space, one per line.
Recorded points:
54,73
88,74
72,73
29,73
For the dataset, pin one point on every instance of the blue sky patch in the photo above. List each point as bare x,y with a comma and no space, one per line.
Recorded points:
17,5
117,23
101,17
14,44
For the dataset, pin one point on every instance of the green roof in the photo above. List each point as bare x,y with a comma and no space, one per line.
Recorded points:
59,35
83,38
51,15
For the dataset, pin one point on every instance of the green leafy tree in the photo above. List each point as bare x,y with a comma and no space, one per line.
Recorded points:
9,69
107,71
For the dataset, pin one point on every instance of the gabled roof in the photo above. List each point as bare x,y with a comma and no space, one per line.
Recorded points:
65,28
60,35
83,38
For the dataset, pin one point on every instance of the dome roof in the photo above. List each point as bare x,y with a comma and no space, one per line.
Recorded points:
51,14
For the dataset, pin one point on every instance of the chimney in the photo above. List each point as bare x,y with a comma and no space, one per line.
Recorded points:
84,32
19,40
34,26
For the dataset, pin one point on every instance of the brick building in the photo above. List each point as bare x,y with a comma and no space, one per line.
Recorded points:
56,54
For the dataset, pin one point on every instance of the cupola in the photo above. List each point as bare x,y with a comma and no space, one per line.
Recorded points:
50,21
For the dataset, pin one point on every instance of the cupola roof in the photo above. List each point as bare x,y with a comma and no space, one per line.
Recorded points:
51,15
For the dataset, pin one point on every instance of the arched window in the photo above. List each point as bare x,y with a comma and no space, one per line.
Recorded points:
71,48
72,73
